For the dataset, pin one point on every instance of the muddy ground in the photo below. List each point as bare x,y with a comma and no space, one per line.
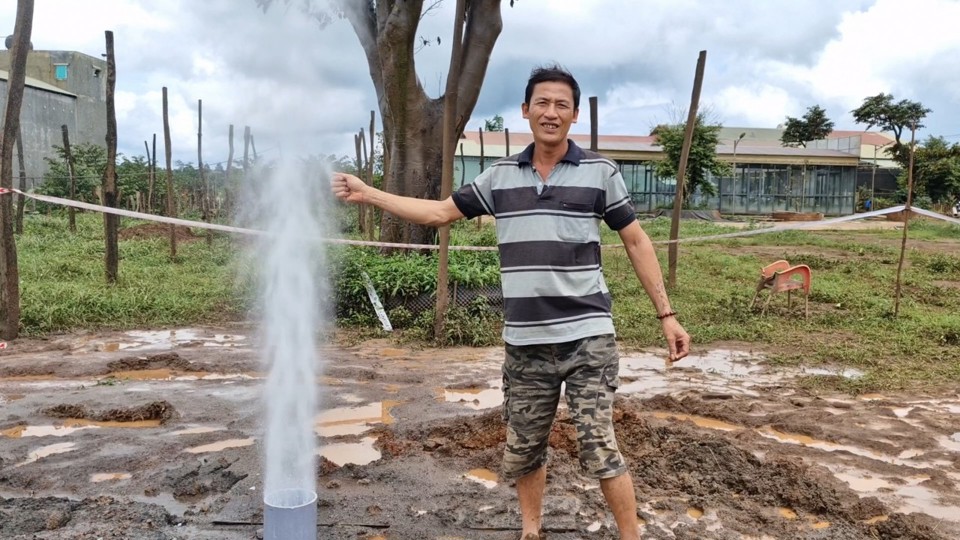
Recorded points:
157,435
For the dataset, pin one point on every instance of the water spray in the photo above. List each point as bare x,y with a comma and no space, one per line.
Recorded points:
292,290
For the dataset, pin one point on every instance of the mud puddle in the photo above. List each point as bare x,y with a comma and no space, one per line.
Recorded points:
722,446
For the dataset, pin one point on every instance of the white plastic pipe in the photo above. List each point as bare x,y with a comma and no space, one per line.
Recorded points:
290,514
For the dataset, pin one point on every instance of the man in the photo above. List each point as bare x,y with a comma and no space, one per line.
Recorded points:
548,202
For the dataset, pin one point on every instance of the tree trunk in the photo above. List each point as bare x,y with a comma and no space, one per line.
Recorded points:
111,222
171,200
9,271
71,212
412,121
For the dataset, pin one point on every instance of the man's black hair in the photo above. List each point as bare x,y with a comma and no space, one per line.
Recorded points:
553,73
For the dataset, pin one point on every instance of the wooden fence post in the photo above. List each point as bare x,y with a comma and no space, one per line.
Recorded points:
71,212
21,200
171,200
205,200
371,209
227,187
9,271
111,222
682,169
450,135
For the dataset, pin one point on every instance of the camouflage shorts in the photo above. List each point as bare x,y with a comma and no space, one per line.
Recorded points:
532,376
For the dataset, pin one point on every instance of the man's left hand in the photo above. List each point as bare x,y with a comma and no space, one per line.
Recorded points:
677,338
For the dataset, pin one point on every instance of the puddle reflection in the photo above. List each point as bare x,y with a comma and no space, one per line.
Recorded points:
476,398
358,453
219,446
70,426
353,420
47,451
484,477
144,340
108,477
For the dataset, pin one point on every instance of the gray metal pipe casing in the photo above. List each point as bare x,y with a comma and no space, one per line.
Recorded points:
290,514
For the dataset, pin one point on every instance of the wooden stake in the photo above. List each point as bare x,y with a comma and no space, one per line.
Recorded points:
682,168
171,200
71,212
21,200
450,136
9,270
111,222
246,150
358,142
506,141
146,147
228,188
906,219
594,128
371,209
480,132
205,199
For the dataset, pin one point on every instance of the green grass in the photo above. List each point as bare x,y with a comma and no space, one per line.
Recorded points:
63,285
850,323
851,304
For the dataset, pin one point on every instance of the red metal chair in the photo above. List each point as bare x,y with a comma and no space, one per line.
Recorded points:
780,276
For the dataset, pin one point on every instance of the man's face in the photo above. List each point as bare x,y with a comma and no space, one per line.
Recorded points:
550,112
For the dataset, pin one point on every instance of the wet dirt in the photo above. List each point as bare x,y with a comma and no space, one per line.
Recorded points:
720,446
157,230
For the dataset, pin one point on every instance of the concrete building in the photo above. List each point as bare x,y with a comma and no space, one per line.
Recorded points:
768,177
62,88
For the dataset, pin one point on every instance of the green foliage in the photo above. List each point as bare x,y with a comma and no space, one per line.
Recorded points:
89,165
881,111
814,125
702,160
494,124
937,170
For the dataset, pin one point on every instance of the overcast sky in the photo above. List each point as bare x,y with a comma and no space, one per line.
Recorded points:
307,90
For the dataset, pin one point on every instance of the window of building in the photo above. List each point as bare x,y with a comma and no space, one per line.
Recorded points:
60,71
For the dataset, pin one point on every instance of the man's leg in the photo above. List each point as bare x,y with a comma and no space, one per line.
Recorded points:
531,392
618,491
530,492
592,366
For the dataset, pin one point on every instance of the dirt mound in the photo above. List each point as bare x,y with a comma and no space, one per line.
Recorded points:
156,361
194,481
157,230
155,410
681,468
101,517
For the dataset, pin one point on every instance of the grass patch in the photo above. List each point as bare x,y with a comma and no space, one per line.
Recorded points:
63,284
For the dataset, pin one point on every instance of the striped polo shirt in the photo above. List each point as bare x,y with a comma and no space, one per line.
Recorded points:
549,241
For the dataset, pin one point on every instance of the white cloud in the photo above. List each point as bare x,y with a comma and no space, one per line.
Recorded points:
305,89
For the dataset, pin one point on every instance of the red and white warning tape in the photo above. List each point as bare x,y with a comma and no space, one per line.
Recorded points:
339,241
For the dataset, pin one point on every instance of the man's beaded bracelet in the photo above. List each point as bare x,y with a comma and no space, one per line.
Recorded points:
663,316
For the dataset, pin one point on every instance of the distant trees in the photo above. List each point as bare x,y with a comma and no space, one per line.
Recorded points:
937,170
702,160
881,111
494,124
812,126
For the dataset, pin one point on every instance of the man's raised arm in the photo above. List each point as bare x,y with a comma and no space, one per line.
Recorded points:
349,188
